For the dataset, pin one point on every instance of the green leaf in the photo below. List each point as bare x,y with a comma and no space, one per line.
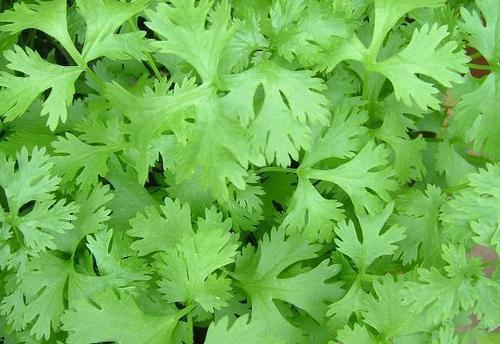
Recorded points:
452,164
188,270
241,330
30,181
357,334
27,16
408,160
258,271
91,218
215,136
419,213
473,213
374,244
482,30
291,103
129,198
183,25
341,140
113,262
86,162
424,56
160,231
366,171
387,313
39,296
125,46
103,18
34,227
441,297
20,92
311,214
387,14
117,318
476,117
153,114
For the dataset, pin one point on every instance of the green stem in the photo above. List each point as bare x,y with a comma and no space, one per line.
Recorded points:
149,60
484,67
190,325
476,55
456,188
276,169
369,277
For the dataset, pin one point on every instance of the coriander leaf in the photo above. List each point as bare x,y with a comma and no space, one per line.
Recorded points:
291,103
473,213
482,30
129,198
40,292
245,206
154,113
351,303
188,270
452,164
441,297
408,161
34,228
310,213
183,23
111,261
300,29
26,16
423,56
258,271
387,14
477,119
124,46
365,171
86,162
387,314
160,231
91,217
341,140
44,221
31,181
419,213
243,44
214,136
117,318
20,92
241,330
103,18
357,334
374,244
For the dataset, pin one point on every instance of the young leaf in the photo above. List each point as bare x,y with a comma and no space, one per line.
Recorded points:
183,24
241,330
160,231
27,16
188,270
258,274
365,171
481,30
20,92
374,244
291,102
117,318
100,37
310,213
423,56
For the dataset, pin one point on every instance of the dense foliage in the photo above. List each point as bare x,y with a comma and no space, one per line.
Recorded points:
236,171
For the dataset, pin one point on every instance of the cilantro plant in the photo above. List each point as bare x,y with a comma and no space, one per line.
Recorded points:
236,171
